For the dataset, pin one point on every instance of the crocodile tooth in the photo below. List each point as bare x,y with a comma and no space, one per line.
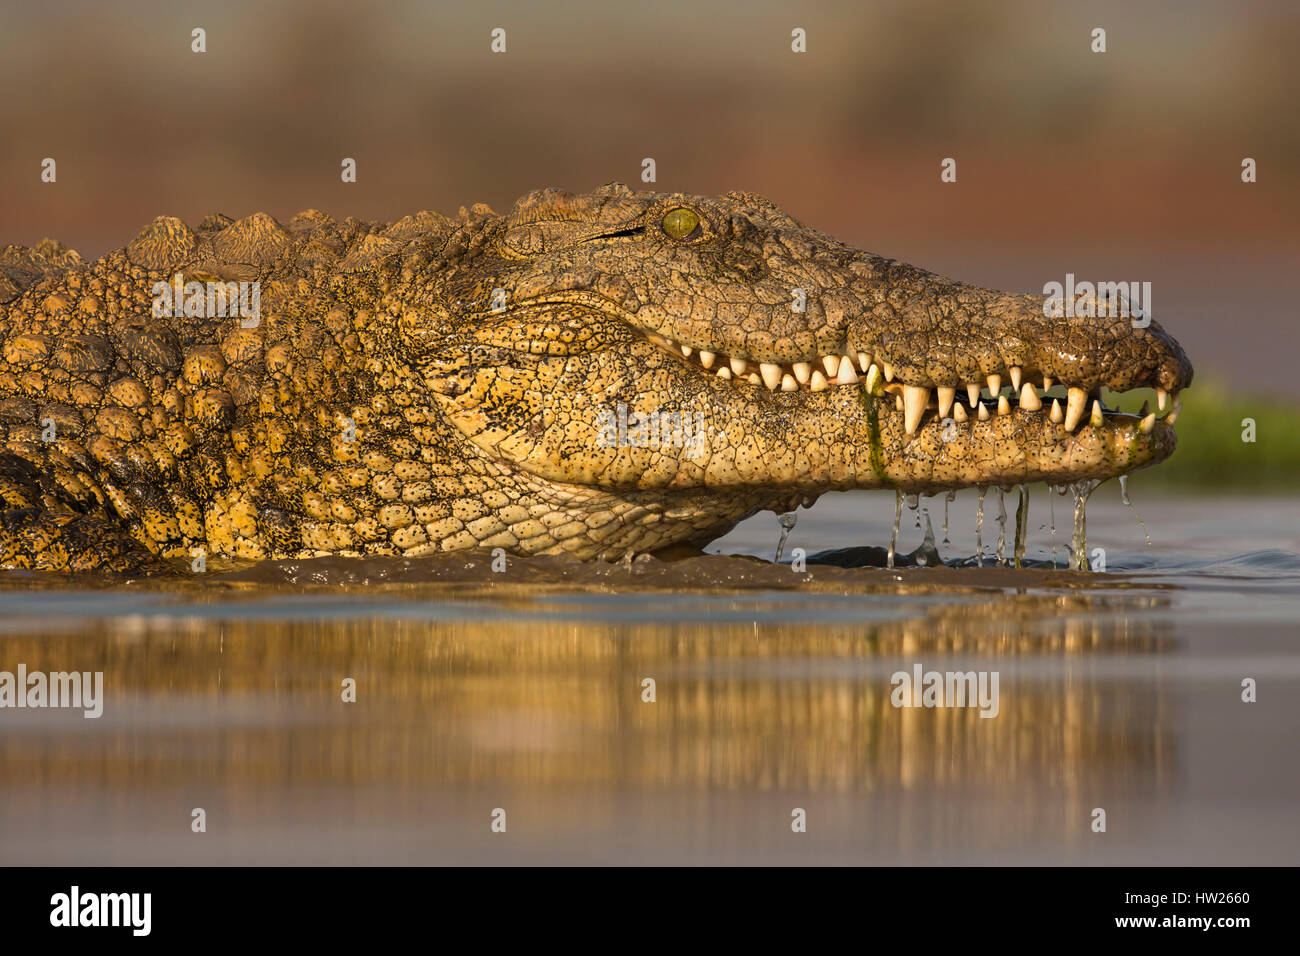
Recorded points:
818,381
1097,417
889,371
864,361
832,365
847,375
1048,382
995,385
959,413
898,401
754,378
874,378
1162,398
706,358
1077,402
1029,398
915,398
972,394
739,366
984,412
687,350
1147,424
1004,407
788,384
946,398
1173,413
1142,412
1056,415
1015,377
802,371
771,374
724,372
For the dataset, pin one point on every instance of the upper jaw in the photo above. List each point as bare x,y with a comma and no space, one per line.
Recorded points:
921,330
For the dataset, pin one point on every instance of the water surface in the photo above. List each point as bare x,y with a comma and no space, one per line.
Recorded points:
523,691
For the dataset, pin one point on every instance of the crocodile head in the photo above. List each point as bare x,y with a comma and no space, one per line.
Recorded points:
705,358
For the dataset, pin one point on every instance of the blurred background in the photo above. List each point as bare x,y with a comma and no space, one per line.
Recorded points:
1120,166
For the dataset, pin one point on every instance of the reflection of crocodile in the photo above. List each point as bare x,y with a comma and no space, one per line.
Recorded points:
546,718
557,702
442,384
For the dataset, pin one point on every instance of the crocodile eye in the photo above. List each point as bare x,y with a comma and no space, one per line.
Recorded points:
681,223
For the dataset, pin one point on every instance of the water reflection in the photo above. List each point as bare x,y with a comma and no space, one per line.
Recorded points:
454,717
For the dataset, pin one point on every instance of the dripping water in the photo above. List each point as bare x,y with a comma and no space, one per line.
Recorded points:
913,504
1002,526
787,525
1123,491
1052,492
898,517
1079,540
948,499
928,554
979,531
1022,522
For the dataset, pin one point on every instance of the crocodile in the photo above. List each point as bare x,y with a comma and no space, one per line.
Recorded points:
600,375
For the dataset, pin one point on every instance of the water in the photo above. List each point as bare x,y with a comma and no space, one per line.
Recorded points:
787,521
522,690
893,537
1081,490
1123,494
1052,492
1022,523
1002,527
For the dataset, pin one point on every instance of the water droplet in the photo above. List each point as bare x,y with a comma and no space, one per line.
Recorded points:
913,504
1002,527
928,554
1079,540
898,517
1051,507
1022,523
1123,492
788,521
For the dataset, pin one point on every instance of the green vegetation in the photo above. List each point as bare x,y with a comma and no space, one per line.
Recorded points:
1211,453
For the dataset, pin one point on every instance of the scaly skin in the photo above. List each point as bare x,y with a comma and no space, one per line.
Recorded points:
391,400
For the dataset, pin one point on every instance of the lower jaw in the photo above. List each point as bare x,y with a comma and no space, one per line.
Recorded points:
1018,447
1005,450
